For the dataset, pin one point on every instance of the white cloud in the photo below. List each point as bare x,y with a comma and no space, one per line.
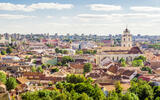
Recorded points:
103,7
33,7
11,16
49,17
116,16
145,8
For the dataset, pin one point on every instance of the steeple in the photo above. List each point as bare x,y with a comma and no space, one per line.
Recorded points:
126,40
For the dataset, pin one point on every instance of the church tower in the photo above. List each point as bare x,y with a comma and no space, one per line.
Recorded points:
126,40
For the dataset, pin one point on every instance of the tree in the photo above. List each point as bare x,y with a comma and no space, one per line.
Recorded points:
87,68
130,96
137,63
65,52
3,52
39,69
79,52
142,89
84,96
33,69
57,50
156,90
75,78
118,87
112,95
147,69
54,70
9,50
122,62
44,66
67,59
140,58
59,64
11,83
2,77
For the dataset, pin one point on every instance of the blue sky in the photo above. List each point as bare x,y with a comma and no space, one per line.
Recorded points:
80,16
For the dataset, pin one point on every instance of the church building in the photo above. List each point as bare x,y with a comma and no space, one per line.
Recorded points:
125,51
126,40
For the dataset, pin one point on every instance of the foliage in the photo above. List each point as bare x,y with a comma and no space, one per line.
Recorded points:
9,50
156,90
90,52
87,68
142,89
3,52
11,83
137,63
59,64
140,58
79,52
2,77
66,59
54,70
72,78
79,90
130,96
155,46
33,69
118,87
39,69
61,51
50,45
44,66
122,62
147,69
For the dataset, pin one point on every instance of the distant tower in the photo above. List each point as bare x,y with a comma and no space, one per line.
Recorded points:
126,39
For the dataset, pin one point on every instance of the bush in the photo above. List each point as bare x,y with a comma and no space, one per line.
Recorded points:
54,70
147,69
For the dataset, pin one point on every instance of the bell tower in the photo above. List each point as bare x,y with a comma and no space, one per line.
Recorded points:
126,40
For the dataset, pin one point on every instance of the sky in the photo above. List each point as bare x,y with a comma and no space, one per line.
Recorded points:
101,17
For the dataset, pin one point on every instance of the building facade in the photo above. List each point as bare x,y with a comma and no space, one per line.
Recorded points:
126,40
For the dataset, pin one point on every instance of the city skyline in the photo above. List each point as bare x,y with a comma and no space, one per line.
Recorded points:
75,16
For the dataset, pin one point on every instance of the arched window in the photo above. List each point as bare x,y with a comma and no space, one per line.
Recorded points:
126,58
113,58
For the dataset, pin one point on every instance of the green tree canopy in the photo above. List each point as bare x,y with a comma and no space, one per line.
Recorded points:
9,50
79,52
87,68
54,70
3,52
130,96
33,69
137,63
118,87
140,58
142,89
11,83
147,69
39,69
2,77
67,59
